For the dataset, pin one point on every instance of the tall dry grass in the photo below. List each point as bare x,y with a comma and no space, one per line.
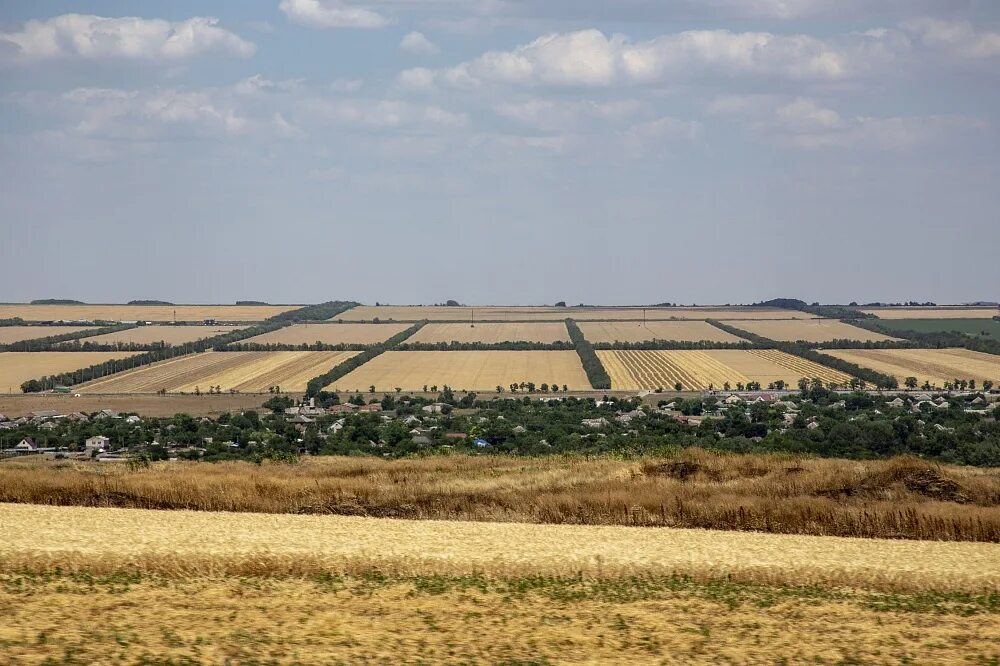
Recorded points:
899,498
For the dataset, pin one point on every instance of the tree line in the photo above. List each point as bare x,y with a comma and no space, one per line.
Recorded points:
51,342
507,345
664,345
825,311
596,373
935,339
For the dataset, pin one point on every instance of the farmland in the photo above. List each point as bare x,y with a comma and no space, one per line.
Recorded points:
240,371
522,313
155,313
690,331
543,332
9,334
815,330
989,328
697,370
936,366
19,367
473,370
171,335
933,313
331,334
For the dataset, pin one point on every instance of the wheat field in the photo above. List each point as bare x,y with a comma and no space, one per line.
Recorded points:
542,313
688,331
9,334
699,370
934,313
815,330
472,370
250,372
19,367
936,366
331,334
543,332
156,313
172,335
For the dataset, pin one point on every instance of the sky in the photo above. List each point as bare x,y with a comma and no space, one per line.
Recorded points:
500,151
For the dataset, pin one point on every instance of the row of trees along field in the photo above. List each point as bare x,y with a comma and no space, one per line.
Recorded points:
596,372
825,311
52,342
508,345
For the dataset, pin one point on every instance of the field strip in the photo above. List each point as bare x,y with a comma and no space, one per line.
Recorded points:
103,540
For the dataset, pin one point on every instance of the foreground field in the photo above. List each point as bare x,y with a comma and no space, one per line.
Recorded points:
699,370
515,313
933,313
331,334
544,332
691,331
19,367
901,498
936,366
251,372
171,335
817,330
439,619
155,313
461,370
9,334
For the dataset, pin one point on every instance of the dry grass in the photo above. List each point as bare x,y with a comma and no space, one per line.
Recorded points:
816,330
331,334
251,372
172,335
933,313
541,313
934,365
19,367
158,313
472,370
899,498
9,334
544,332
370,619
697,370
692,331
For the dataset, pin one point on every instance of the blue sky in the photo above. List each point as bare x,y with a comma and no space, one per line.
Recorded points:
500,151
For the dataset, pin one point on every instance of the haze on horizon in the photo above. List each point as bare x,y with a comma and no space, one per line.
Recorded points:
500,151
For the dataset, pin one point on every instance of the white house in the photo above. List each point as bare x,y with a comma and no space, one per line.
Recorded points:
97,443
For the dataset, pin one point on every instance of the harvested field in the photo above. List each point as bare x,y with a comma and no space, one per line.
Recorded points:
897,498
934,313
143,404
331,334
171,335
9,334
18,367
250,372
698,370
815,330
473,370
936,366
545,333
515,313
156,313
687,331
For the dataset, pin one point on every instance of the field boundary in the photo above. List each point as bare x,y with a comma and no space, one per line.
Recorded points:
597,374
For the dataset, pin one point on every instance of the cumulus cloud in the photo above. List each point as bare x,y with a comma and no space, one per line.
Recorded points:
332,14
959,38
418,44
563,115
88,36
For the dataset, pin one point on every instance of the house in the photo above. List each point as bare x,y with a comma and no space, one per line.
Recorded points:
435,408
733,400
133,419
97,443
412,420
456,436
595,423
422,440
107,414
346,408
44,415
27,445
898,403
77,417
519,430
48,425
371,407
812,425
626,417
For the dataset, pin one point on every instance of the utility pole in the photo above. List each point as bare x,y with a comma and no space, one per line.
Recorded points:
473,310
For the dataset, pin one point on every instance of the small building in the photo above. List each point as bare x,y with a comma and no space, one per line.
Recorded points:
595,423
133,419
370,407
26,445
97,443
435,408
898,403
422,440
346,408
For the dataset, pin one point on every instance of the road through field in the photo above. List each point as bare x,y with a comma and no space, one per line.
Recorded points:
103,540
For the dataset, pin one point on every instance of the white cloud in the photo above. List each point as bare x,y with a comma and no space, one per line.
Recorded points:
959,38
417,78
87,36
332,14
418,44
380,114
561,115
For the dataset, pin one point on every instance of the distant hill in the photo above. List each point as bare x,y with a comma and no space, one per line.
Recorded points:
56,301
149,302
251,303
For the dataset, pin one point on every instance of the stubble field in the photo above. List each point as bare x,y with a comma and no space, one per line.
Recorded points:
473,370
251,372
936,366
689,331
816,330
9,334
171,335
543,332
331,334
697,370
19,367
155,313
541,313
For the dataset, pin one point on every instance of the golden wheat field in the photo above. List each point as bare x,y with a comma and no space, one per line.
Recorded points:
9,334
698,370
19,367
541,313
543,332
933,313
331,334
619,331
815,330
158,313
472,370
936,366
171,335
250,372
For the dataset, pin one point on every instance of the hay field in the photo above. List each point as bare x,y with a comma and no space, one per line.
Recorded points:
934,313
331,334
251,372
541,313
543,332
158,313
18,367
9,334
691,331
936,366
697,370
473,370
815,330
172,335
